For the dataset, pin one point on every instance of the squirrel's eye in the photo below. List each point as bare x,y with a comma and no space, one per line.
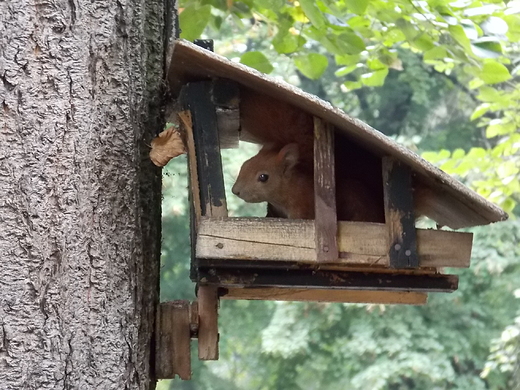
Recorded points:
263,177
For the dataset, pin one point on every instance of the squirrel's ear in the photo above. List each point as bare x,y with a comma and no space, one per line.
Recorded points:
289,155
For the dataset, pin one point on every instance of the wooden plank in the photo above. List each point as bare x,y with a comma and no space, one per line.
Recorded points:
172,348
325,216
208,322
197,98
359,243
194,192
399,214
317,295
319,279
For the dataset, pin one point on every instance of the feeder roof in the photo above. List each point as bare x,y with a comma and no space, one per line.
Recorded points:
460,207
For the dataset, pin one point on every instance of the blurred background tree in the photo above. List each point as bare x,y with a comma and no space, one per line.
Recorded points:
439,77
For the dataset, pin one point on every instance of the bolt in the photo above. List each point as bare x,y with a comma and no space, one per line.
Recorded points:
397,247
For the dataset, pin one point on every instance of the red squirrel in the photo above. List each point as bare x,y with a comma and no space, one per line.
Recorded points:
282,172
277,176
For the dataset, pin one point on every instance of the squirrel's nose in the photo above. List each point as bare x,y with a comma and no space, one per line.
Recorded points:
235,191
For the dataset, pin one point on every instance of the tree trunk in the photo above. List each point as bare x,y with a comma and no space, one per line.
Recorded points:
80,94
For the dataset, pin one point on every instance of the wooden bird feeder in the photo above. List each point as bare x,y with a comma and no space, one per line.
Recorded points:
302,260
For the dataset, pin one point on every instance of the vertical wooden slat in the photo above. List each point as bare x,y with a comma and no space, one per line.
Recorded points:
194,191
173,341
197,98
208,322
326,226
399,214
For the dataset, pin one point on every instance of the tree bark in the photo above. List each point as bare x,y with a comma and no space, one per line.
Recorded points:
80,94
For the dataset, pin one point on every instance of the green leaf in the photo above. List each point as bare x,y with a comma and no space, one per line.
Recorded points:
357,6
487,48
494,72
375,64
422,42
498,127
476,83
312,12
437,53
350,43
273,5
352,85
193,20
458,153
457,32
346,59
256,60
287,43
374,79
407,28
312,65
488,94
477,153
479,111
345,70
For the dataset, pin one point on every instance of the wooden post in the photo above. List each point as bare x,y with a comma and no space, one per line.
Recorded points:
173,340
325,216
197,97
399,214
208,322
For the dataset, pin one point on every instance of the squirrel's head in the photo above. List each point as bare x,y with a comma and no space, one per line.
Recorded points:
263,178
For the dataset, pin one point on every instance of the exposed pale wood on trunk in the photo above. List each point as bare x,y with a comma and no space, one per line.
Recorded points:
172,351
208,322
399,214
325,222
359,243
351,296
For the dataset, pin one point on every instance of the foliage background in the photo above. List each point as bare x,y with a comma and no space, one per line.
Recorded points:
439,77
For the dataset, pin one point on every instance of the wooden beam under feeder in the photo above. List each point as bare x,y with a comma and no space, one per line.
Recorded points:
324,295
325,279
